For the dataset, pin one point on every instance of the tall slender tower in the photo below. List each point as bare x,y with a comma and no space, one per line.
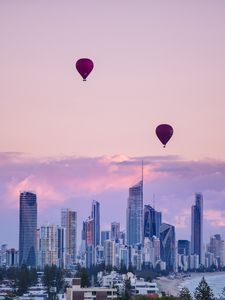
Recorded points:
95,214
197,227
69,222
28,229
135,213
115,231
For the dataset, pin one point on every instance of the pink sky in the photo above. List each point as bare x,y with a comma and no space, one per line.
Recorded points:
155,62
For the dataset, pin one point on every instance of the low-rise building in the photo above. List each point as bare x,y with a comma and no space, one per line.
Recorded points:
76,292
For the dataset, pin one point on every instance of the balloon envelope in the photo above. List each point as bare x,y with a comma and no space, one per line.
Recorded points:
164,133
84,66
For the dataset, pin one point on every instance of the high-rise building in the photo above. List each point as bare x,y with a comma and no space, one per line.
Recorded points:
69,222
48,246
28,229
109,253
152,222
61,238
95,214
88,237
135,214
105,235
115,231
12,256
197,227
183,247
168,246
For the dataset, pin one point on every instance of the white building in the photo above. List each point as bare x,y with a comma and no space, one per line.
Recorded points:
76,292
47,246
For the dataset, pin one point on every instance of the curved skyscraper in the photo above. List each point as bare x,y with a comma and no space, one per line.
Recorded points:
135,214
152,222
168,246
28,229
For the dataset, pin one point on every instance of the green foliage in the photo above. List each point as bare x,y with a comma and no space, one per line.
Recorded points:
203,291
127,289
12,273
23,281
53,277
185,294
83,275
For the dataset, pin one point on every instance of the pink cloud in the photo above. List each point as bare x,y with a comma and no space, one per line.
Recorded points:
215,217
75,181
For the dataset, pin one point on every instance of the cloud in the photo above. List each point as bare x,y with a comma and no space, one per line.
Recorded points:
74,181
216,218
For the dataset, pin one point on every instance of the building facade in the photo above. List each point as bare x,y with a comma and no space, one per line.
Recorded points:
115,231
69,222
95,214
168,246
183,247
28,229
197,227
47,246
152,222
135,214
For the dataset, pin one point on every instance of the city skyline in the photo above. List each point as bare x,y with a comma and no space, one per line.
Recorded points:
109,185
46,245
71,141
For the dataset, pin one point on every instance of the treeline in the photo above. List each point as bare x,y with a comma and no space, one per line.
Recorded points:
202,292
21,278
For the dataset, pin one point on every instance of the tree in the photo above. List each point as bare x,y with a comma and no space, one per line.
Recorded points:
203,291
185,294
23,280
127,289
53,279
83,275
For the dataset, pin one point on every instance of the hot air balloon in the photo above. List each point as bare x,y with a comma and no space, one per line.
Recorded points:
84,66
164,132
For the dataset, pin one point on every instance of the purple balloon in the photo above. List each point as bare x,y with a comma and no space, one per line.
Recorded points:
164,133
84,66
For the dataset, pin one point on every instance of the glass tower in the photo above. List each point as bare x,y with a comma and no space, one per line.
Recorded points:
197,227
168,246
95,214
183,247
152,222
135,214
28,229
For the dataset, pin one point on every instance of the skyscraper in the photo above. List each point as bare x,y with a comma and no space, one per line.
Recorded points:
168,246
69,222
183,247
109,253
28,229
197,227
152,222
135,214
48,246
115,231
95,214
105,235
88,237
